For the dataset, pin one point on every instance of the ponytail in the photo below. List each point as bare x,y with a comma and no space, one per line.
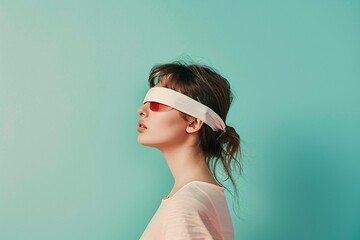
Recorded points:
227,151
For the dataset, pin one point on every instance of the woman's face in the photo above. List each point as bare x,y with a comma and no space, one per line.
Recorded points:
161,129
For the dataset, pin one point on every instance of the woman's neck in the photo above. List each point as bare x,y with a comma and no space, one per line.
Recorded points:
187,164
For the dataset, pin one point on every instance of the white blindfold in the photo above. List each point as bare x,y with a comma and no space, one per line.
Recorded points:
186,105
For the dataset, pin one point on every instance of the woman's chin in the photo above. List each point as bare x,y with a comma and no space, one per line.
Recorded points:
143,141
149,142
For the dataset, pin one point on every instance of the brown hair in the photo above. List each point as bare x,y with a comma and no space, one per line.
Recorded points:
205,85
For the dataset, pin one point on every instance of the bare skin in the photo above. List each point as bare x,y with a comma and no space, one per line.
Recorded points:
187,165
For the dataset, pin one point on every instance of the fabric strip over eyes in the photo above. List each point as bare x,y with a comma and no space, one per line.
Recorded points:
186,105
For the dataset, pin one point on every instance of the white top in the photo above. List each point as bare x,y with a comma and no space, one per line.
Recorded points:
198,210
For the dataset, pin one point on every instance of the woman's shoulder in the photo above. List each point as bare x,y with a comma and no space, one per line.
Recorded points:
210,188
197,195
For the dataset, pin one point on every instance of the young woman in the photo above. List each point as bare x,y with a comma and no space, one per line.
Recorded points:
184,115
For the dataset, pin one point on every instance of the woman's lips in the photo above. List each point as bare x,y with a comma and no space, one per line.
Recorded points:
141,126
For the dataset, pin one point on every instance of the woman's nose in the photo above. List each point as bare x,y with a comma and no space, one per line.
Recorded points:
142,111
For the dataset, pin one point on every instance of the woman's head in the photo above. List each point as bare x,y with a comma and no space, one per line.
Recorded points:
206,86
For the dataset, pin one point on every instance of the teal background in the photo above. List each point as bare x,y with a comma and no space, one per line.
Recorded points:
72,74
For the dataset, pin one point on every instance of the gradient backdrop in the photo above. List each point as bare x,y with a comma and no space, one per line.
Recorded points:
72,74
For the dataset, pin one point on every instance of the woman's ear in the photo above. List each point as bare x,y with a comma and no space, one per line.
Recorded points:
194,125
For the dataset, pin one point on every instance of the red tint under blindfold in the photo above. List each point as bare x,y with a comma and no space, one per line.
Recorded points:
159,107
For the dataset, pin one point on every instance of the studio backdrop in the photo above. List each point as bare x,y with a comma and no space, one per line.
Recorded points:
73,73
